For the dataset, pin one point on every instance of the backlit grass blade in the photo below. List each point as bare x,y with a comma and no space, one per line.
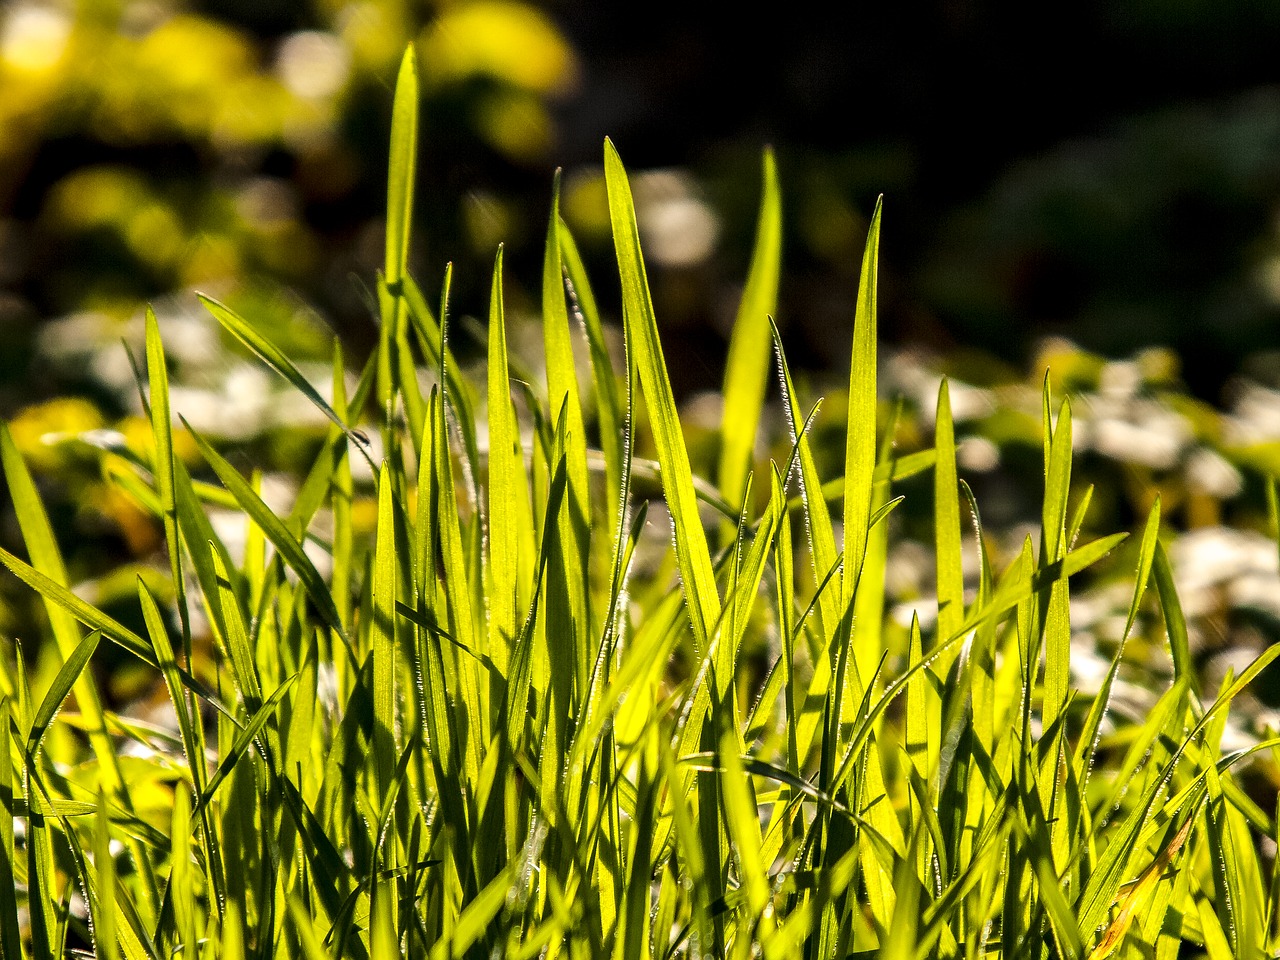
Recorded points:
950,572
860,445
643,342
457,589
104,922
609,405
244,740
507,487
95,619
1175,622
243,665
946,521
1088,741
1057,627
276,358
823,553
1107,876
747,366
277,532
162,436
402,169
382,633
68,674
10,941
37,534
428,334
562,393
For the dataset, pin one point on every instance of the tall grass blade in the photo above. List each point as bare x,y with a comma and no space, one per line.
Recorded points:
275,358
747,366
692,553
276,531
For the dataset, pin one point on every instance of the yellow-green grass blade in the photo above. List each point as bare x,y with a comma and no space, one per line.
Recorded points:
277,532
508,486
1088,742
42,898
37,534
243,666
1174,620
1057,626
475,919
692,553
742,823
1239,894
1146,557
747,586
563,396
244,740
277,360
860,445
1018,590
10,939
613,419
402,169
382,633
822,549
747,365
868,605
457,591
162,437
946,522
104,922
1107,875
427,330
304,927
68,674
168,664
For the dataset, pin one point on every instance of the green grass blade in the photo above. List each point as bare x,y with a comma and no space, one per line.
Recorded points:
692,553
244,739
95,619
747,366
382,633
507,485
822,543
10,940
562,392
1175,622
104,921
162,436
277,532
609,405
402,169
860,446
68,674
946,520
243,666
278,361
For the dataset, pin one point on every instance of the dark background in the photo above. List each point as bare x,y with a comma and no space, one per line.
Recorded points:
1105,171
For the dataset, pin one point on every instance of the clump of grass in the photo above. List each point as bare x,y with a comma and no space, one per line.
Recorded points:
467,738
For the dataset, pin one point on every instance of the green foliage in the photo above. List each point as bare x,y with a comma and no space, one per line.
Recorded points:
466,736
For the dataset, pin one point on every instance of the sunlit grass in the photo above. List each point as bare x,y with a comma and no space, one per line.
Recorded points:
467,737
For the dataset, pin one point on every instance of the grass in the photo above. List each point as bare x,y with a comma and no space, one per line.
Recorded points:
470,737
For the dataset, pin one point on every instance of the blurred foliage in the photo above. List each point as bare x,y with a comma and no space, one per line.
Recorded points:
149,147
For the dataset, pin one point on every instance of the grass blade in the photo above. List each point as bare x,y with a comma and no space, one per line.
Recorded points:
278,361
277,532
68,674
747,365
692,553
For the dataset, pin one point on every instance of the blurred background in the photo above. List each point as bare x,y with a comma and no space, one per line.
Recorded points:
1112,174
1093,189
